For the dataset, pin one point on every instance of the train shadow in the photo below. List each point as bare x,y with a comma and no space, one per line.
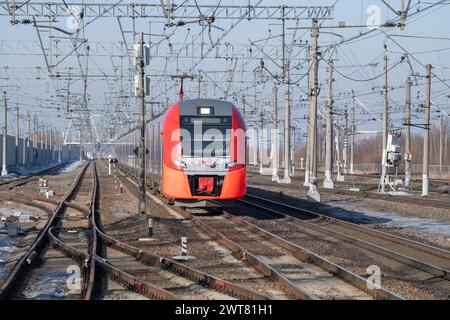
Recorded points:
355,216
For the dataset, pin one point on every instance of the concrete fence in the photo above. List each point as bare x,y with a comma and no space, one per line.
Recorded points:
35,154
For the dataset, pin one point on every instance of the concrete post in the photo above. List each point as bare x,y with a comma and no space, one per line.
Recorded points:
261,141
255,147
243,106
275,156
26,144
37,138
307,150
408,155
287,111
142,148
441,144
45,144
41,140
59,147
385,126
328,181
352,138
5,136
426,138
49,146
16,149
313,193
345,146
81,146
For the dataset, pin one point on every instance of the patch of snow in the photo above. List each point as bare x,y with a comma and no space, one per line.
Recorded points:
7,249
14,212
360,213
48,286
24,171
71,167
121,214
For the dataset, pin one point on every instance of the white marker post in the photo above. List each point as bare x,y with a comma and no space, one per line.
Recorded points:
150,227
184,254
184,246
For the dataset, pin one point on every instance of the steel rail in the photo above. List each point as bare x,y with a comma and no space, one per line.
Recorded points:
325,264
27,178
12,197
89,260
39,245
256,262
83,259
443,253
123,278
183,270
435,203
94,243
192,274
147,258
238,251
424,266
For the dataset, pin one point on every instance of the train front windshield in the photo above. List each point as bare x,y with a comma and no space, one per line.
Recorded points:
205,137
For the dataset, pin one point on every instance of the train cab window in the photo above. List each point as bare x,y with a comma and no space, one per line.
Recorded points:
205,136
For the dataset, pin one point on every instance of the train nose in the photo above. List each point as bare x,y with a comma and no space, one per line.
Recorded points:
206,184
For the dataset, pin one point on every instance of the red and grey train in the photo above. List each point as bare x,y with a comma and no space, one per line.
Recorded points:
196,153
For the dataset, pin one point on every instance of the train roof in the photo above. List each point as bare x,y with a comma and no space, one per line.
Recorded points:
189,107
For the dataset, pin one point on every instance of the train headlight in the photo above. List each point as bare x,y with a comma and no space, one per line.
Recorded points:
180,164
205,111
231,164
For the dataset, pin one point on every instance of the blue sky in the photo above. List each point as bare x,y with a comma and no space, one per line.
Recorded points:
351,58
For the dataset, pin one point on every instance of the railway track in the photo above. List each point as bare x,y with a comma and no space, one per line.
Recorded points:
178,279
185,280
420,261
19,181
423,201
298,257
88,247
31,258
81,247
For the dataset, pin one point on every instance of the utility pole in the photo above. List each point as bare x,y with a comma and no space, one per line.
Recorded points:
243,106
257,139
426,138
35,138
26,144
41,142
199,84
328,181
5,136
69,156
292,150
261,140
408,155
385,125
51,145
307,151
16,149
313,193
287,111
353,132
346,130
441,144
142,202
81,146
45,128
60,141
274,148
